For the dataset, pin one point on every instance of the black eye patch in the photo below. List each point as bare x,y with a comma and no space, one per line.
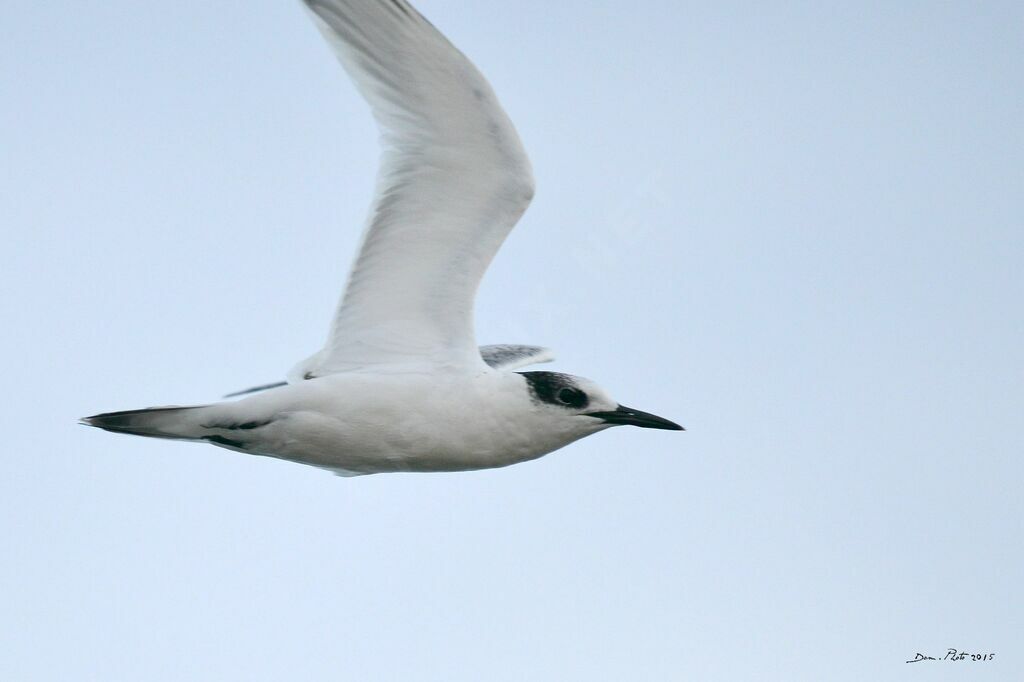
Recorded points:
573,397
555,388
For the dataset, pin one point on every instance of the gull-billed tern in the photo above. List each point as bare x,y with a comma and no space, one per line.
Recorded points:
400,384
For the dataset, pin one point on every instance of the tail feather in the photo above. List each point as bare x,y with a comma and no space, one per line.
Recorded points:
179,423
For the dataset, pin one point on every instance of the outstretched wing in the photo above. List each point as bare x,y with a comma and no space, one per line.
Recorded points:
453,181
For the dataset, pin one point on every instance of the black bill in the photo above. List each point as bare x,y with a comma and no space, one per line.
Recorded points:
627,415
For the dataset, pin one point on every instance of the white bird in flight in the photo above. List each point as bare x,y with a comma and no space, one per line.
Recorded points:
400,384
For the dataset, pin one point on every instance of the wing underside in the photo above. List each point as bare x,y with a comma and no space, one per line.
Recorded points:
453,181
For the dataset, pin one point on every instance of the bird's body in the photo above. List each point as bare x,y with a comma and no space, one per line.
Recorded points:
400,384
360,423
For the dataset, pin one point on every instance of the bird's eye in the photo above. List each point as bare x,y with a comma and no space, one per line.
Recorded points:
572,397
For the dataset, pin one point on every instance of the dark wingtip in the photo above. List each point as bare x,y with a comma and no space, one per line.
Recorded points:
110,421
136,422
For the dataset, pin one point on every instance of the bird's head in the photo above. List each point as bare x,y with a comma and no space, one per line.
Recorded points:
583,400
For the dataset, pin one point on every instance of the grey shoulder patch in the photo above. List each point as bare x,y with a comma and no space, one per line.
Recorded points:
512,356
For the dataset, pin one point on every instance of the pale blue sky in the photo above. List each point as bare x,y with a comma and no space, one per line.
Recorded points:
794,228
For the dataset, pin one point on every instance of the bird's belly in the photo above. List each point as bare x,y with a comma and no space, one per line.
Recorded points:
355,447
